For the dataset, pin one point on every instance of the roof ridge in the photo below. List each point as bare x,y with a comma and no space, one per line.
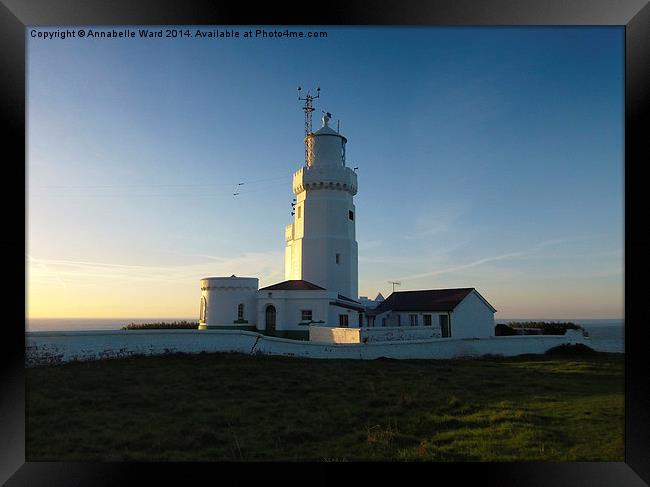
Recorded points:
426,299
437,289
288,281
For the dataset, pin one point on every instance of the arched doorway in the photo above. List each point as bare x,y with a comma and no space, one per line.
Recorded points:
270,320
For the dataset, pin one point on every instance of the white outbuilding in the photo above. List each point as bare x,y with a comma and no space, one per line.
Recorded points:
458,313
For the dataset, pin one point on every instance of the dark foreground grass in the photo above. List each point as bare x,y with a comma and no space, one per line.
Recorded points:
236,407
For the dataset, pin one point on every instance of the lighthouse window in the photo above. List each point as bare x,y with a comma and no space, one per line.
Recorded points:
299,211
338,258
351,215
240,312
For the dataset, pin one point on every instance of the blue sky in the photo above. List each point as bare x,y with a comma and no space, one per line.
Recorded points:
488,158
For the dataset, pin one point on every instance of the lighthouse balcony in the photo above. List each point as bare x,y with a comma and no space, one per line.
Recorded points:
338,178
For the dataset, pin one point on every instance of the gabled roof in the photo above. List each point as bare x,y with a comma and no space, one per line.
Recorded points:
426,300
293,285
344,298
348,305
345,302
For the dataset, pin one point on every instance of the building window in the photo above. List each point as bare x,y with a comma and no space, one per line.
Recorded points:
414,320
351,215
360,320
399,320
270,295
383,322
299,211
338,258
306,315
427,320
444,326
343,321
202,309
240,312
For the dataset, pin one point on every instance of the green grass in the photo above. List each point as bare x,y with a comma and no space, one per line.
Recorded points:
236,407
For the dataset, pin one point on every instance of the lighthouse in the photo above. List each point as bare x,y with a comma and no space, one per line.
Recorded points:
320,288
321,245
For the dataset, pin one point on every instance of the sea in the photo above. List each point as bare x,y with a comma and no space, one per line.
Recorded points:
605,335
92,324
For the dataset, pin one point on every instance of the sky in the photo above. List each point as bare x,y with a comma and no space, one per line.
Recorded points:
488,157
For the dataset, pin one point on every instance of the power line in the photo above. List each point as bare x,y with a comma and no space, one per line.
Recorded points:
139,194
113,190
113,186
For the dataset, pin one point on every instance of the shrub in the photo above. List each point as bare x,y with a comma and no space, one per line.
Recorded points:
503,330
184,325
547,327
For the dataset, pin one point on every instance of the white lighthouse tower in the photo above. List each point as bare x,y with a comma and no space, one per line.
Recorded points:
321,241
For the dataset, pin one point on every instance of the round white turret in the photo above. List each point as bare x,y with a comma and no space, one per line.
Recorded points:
325,147
228,303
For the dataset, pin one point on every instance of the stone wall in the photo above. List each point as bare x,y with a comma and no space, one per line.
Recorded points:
326,334
399,333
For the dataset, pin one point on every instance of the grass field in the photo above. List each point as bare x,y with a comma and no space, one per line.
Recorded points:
211,407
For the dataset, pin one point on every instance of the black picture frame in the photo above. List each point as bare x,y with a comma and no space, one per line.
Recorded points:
15,15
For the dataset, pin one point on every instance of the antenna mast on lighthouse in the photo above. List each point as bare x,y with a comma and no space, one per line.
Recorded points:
308,108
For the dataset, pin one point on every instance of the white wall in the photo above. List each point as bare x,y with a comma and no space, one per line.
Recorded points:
323,230
334,335
369,335
392,320
401,333
335,311
58,347
472,318
289,306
